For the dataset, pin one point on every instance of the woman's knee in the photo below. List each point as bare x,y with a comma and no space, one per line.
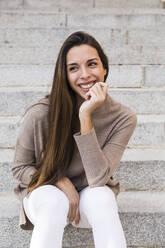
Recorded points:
100,197
48,198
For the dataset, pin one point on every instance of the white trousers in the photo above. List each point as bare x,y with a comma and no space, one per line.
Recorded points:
47,208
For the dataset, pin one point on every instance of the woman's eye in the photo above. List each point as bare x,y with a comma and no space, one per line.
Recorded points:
72,68
92,64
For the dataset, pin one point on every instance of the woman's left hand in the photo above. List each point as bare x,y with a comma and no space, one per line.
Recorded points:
94,98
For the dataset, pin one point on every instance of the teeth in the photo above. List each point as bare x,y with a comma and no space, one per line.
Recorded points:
87,86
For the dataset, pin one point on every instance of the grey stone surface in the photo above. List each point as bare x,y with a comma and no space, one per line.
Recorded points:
8,132
10,4
119,75
61,5
131,153
42,75
142,101
147,132
141,175
142,153
147,36
125,76
91,18
113,20
28,55
118,55
7,182
136,54
29,75
144,228
128,3
146,101
133,175
150,133
31,20
154,76
55,36
141,202
15,102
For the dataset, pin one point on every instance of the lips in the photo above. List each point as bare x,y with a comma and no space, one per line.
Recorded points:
87,85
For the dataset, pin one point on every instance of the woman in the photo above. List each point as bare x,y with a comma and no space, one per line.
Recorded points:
69,145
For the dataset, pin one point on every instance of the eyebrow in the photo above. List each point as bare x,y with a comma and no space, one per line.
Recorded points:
89,60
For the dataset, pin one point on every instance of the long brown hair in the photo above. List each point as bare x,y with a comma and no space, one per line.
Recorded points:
62,115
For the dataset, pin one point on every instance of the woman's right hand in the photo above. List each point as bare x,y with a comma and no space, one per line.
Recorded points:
69,189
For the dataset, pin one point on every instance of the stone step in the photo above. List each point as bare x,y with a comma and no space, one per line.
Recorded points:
142,215
72,4
139,169
131,154
92,18
118,55
128,4
126,76
65,5
149,131
40,37
14,101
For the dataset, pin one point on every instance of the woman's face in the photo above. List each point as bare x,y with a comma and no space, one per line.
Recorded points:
84,68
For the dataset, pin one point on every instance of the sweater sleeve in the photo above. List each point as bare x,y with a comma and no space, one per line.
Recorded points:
24,151
100,163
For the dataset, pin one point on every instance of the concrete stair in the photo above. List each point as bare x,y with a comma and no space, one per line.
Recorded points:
133,36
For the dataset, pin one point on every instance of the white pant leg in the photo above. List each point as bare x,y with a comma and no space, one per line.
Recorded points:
47,208
100,207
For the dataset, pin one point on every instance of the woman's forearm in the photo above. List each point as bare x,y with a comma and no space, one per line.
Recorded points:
85,123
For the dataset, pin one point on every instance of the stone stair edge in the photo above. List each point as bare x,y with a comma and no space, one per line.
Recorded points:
117,11
142,118
46,87
130,154
130,201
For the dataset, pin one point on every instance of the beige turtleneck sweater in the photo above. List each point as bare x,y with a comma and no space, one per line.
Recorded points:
96,156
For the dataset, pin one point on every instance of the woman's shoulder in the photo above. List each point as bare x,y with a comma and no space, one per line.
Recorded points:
121,111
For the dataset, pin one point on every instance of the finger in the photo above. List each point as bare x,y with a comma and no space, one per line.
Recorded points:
90,94
105,89
98,90
102,83
73,213
77,219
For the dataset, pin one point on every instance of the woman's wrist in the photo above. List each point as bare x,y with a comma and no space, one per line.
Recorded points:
85,123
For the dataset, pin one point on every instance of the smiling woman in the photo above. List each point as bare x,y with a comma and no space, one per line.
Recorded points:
84,68
68,147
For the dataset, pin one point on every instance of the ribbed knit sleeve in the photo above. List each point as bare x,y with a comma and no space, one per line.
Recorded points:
99,164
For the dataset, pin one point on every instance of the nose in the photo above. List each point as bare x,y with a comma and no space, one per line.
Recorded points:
84,73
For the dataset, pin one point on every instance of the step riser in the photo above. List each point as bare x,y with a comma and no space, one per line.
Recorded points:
144,175
149,234
146,134
107,20
49,4
128,4
15,102
119,76
125,55
55,37
95,19
142,223
63,4
30,20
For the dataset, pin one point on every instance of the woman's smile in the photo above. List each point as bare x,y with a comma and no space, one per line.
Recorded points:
86,86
